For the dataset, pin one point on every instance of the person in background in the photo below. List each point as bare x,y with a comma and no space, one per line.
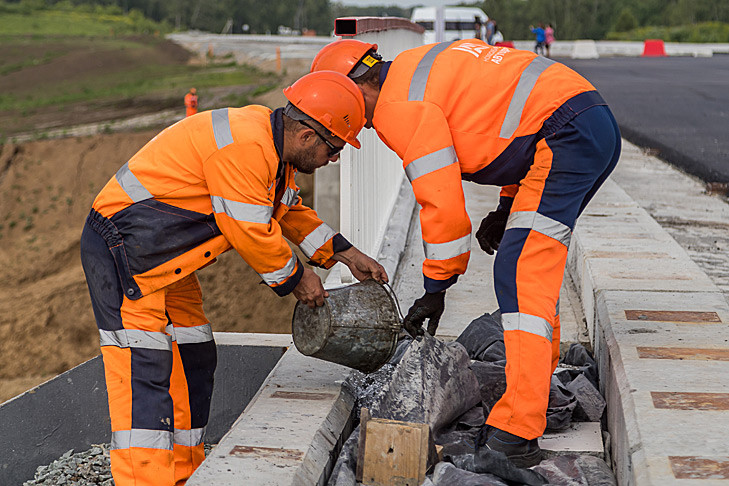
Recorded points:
548,38
477,27
490,31
221,180
539,33
520,121
497,37
191,102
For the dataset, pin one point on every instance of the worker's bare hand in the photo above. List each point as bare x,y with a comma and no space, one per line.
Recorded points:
362,266
310,290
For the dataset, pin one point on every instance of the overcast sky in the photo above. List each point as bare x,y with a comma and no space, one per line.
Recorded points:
399,3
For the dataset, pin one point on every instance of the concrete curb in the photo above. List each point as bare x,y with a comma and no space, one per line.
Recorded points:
658,324
291,431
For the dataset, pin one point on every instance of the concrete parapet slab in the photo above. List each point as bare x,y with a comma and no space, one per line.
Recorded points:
659,325
289,432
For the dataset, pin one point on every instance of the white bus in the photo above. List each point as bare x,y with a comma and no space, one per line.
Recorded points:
459,22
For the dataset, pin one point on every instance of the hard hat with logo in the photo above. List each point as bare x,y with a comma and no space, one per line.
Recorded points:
331,99
347,56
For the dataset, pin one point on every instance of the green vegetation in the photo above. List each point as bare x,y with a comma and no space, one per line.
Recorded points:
679,20
34,18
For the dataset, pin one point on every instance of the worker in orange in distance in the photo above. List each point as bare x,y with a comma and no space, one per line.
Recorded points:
465,110
221,180
191,102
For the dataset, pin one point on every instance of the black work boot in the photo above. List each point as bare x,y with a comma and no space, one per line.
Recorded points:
522,452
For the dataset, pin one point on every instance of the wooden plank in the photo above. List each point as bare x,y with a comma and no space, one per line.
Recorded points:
395,453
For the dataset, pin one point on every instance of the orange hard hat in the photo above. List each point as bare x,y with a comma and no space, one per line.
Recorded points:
333,100
347,56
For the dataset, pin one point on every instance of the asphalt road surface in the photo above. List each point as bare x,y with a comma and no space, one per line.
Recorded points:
678,106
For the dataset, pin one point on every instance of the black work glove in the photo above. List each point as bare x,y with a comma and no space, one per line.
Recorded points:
491,231
430,306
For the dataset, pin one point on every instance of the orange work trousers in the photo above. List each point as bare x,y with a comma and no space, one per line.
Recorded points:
569,166
159,361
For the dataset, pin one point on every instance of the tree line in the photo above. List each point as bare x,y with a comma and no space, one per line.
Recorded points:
573,19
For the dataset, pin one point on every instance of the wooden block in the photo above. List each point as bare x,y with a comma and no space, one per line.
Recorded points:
394,453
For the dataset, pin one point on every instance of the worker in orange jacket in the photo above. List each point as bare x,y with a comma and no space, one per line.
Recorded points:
191,102
465,110
220,180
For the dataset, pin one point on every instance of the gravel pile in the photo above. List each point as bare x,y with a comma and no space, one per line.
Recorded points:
87,468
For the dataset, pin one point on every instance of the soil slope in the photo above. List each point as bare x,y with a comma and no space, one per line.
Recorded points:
46,190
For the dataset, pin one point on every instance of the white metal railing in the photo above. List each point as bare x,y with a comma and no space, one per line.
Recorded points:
371,177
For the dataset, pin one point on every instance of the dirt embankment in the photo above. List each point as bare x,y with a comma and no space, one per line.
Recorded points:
46,322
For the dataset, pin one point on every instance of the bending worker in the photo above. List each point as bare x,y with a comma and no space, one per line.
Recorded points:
465,110
220,180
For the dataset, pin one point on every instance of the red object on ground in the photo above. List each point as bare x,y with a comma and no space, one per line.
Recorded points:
654,48
505,44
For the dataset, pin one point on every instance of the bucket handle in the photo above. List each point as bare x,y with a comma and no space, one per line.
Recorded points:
393,296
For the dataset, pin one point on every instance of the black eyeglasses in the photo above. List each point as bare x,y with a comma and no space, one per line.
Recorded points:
333,149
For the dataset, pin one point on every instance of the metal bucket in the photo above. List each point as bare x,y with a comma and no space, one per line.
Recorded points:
357,327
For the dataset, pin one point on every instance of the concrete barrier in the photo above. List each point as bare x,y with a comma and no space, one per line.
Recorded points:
658,324
584,49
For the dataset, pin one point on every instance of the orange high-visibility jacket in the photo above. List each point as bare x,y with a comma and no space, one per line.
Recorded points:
190,104
465,110
204,184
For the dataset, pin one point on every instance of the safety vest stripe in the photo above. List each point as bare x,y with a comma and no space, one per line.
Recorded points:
541,224
131,185
516,321
148,439
189,438
449,249
524,87
275,278
135,338
431,162
190,335
221,128
289,197
422,71
249,213
556,309
316,239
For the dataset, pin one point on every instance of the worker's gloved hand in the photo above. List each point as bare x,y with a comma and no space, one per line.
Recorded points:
429,306
491,231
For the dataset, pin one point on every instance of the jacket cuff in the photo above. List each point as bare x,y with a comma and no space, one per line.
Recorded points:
505,203
288,286
433,286
340,243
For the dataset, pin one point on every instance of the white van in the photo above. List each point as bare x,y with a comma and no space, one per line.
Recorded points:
459,22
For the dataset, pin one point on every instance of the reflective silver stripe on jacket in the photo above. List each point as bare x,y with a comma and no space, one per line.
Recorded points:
131,185
221,128
189,438
431,162
420,76
190,335
449,249
275,278
135,338
239,211
541,224
524,87
516,321
316,239
289,197
148,439
556,309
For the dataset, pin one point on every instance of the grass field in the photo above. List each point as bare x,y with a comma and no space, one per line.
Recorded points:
62,67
